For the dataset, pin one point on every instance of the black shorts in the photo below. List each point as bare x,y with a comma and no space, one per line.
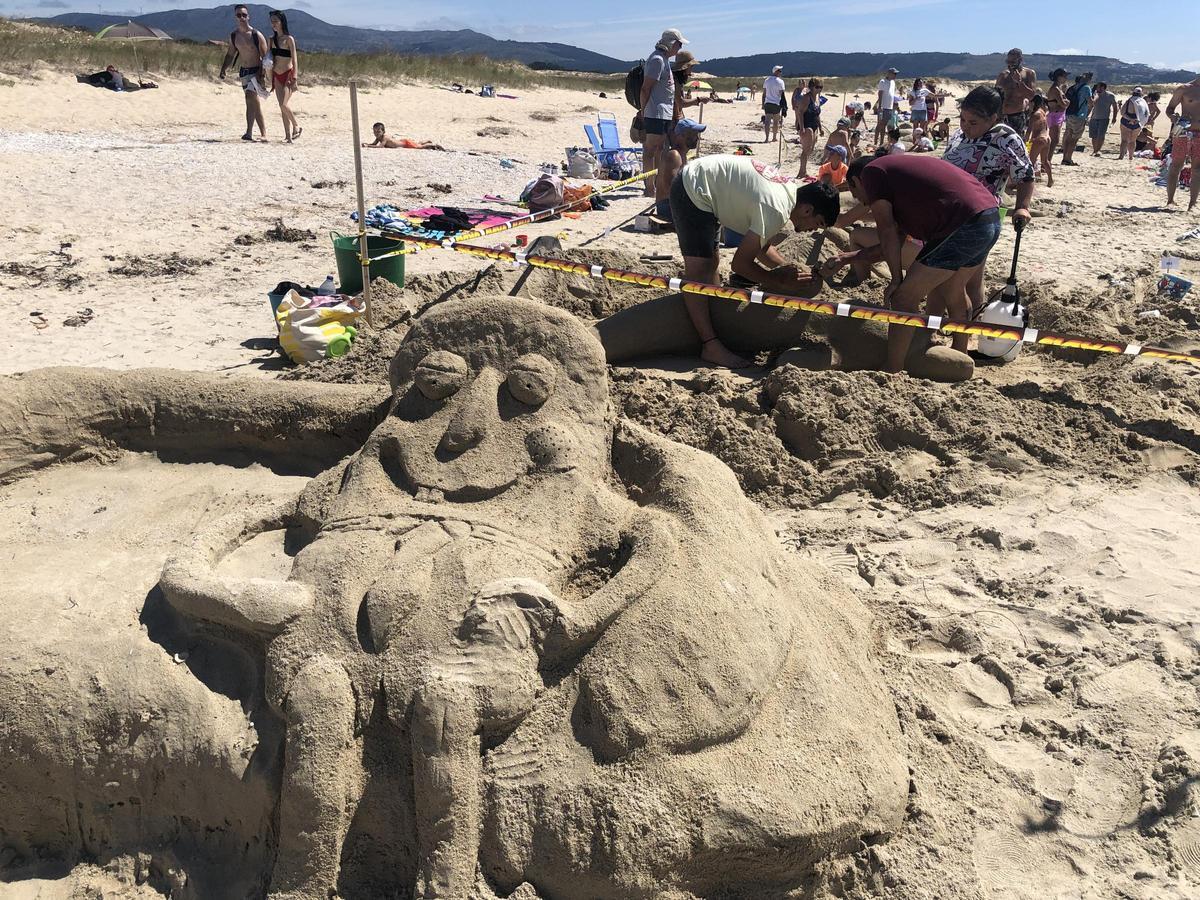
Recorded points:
771,109
696,229
655,126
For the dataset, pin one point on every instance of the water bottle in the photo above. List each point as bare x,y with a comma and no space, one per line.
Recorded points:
327,287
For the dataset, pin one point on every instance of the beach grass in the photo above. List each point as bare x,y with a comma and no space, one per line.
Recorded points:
26,49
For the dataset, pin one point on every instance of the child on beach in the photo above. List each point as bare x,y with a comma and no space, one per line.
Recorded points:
834,169
1038,135
384,141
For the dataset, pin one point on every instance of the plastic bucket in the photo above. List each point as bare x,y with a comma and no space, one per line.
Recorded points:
345,252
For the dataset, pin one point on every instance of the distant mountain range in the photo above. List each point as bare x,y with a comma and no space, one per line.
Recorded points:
961,66
314,34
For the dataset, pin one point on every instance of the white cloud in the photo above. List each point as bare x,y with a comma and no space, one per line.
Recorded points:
1193,66
1067,51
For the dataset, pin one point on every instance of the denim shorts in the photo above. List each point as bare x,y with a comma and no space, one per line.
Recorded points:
918,115
965,247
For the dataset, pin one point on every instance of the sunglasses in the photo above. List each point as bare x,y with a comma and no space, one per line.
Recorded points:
242,15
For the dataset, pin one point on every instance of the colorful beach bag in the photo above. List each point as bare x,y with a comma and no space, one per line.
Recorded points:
312,328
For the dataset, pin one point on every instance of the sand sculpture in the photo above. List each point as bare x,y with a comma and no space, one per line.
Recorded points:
570,653
662,327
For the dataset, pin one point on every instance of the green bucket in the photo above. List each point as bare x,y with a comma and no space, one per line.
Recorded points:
345,251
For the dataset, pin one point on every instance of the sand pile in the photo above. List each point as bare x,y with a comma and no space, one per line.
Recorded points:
801,437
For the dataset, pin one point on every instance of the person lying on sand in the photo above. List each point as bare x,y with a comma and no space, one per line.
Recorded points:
384,141
115,80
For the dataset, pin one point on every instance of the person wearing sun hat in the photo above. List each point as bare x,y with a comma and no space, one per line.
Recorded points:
658,98
681,69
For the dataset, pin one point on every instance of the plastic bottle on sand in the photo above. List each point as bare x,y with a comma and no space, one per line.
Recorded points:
327,287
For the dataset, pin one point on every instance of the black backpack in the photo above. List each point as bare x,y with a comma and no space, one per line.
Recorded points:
1072,95
633,85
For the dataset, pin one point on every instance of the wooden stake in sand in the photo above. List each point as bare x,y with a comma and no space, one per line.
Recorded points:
363,255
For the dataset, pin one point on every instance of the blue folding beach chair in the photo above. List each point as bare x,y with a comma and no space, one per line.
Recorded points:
618,161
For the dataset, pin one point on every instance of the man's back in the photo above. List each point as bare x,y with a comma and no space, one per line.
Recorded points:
773,88
1103,107
885,90
930,197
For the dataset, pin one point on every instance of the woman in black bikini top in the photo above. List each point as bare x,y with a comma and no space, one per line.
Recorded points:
284,71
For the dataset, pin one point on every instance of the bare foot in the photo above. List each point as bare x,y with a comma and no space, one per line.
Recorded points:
247,136
1049,181
718,354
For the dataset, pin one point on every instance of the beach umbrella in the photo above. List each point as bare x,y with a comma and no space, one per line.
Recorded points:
699,85
132,31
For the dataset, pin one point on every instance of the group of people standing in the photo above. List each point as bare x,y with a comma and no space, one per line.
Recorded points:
1055,121
264,66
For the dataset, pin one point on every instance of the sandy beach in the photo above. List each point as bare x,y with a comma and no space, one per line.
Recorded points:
1025,540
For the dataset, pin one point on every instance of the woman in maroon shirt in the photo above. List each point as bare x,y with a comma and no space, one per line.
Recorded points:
954,216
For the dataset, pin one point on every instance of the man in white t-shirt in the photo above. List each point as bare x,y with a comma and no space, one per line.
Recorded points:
885,104
773,88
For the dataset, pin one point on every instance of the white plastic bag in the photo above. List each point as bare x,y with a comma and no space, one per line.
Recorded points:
581,163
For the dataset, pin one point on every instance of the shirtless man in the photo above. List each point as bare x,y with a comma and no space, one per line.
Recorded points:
1185,140
384,141
249,48
1018,84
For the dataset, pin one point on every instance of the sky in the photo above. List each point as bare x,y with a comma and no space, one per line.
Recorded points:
1150,32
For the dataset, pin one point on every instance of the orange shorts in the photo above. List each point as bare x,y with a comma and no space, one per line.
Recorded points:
409,145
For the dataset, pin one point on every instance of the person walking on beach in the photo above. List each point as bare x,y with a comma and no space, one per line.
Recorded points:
249,48
286,68
1079,101
1185,138
773,88
949,211
658,99
885,105
1104,114
1018,84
